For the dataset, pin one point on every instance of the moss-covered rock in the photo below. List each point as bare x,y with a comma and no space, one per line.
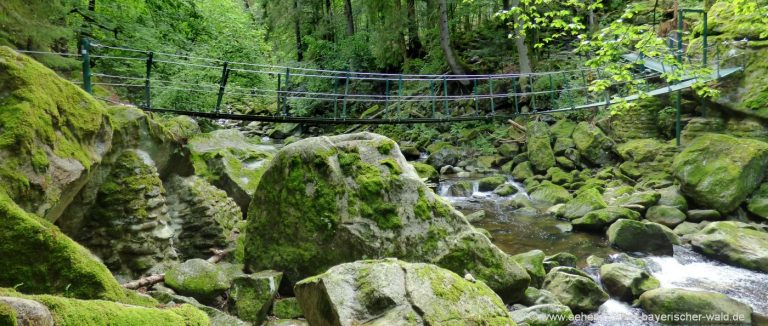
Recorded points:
442,154
642,236
397,293
539,144
734,243
181,127
585,202
704,304
38,258
593,145
287,308
560,259
8,315
543,315
549,194
18,311
505,190
460,189
665,215
230,161
719,171
363,204
533,262
562,128
426,171
252,295
600,219
53,133
534,296
559,177
522,171
672,197
198,278
578,292
758,202
626,282
643,199
491,183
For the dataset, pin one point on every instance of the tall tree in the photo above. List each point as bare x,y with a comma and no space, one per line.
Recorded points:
297,27
523,60
413,45
350,17
445,40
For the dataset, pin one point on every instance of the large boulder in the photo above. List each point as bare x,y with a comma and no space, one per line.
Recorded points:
625,281
52,134
665,215
252,295
539,144
198,278
543,315
734,243
593,144
574,289
720,171
393,292
533,262
700,305
585,202
600,219
758,203
549,194
365,203
230,161
642,236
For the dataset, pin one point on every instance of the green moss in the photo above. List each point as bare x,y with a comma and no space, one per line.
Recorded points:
41,259
422,209
7,315
426,171
287,308
385,147
394,167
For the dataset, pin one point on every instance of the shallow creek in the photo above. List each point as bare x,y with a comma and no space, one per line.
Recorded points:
516,233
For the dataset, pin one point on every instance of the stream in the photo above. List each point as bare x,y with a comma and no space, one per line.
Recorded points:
516,233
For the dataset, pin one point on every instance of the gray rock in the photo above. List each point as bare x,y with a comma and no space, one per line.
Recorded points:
534,296
626,282
580,293
698,215
671,301
251,296
28,312
637,236
665,215
198,278
733,243
544,315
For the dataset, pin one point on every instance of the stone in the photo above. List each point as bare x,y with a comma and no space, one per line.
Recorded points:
733,243
539,144
533,262
522,171
284,130
560,259
626,282
672,196
643,198
251,296
602,218
559,177
26,312
673,301
644,150
394,292
547,314
198,278
476,216
588,201
366,203
642,236
565,162
665,215
593,145
686,228
460,189
231,162
758,202
508,149
534,296
442,154
505,190
491,183
287,308
426,171
580,293
562,128
563,144
720,171
411,152
549,194
698,215
595,261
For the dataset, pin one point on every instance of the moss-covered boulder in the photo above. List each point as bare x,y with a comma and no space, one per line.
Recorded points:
522,171
672,197
593,145
704,304
53,133
758,202
442,154
251,296
460,189
563,128
543,315
198,278
365,202
69,311
642,236
560,259
230,161
575,290
643,199
533,262
626,282
38,258
665,215
734,243
20,311
426,171
539,144
720,171
394,292
534,296
600,219
549,194
505,190
491,183
587,201
287,308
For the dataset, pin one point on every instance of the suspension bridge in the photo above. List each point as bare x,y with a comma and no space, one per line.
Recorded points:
220,89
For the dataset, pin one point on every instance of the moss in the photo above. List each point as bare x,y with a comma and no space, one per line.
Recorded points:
422,209
394,167
426,171
385,147
287,308
197,278
7,315
41,259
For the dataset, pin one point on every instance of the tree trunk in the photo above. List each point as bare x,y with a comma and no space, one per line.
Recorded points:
505,4
91,5
297,22
350,18
329,20
522,49
414,43
445,40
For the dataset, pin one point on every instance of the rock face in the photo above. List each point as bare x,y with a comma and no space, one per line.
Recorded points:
593,144
720,171
230,161
703,303
539,144
625,281
642,236
574,289
366,201
734,243
392,292
53,133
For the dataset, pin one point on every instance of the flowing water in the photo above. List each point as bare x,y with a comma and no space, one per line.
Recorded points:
520,231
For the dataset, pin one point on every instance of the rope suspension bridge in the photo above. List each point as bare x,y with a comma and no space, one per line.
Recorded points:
348,97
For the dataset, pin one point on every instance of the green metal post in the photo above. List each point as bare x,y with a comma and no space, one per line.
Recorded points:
514,92
567,91
86,52
434,99
399,94
285,95
551,90
279,88
477,104
386,100
678,102
706,44
533,96
446,108
222,85
346,92
490,88
336,98
147,98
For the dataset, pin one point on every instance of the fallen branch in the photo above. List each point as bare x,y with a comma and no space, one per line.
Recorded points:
153,279
517,125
